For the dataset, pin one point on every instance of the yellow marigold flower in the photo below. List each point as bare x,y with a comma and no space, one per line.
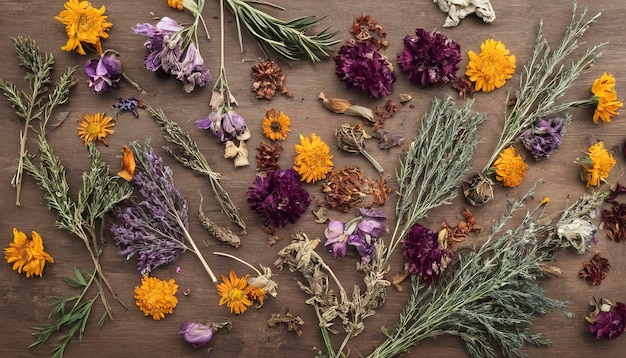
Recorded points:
175,4
156,297
492,67
27,254
95,127
313,159
276,125
257,294
605,98
128,164
597,165
510,169
83,24
602,84
234,292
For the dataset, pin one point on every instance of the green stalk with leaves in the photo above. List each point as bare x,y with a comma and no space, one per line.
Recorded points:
32,104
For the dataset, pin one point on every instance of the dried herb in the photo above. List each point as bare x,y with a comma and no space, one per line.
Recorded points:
221,233
293,321
348,187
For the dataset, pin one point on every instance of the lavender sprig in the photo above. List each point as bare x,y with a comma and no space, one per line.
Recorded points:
156,229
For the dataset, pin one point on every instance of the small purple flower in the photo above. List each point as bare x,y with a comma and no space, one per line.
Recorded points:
163,43
363,67
423,253
196,334
191,70
608,321
362,232
545,138
279,197
337,237
127,105
104,73
227,126
429,58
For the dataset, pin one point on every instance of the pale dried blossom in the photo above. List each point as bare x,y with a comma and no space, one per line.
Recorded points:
239,154
343,106
457,10
350,139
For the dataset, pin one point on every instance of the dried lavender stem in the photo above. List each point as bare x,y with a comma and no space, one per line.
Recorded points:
196,250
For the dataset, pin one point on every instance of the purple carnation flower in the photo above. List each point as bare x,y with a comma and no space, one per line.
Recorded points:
191,70
279,197
545,138
363,67
429,58
104,73
424,254
196,334
226,126
609,324
163,44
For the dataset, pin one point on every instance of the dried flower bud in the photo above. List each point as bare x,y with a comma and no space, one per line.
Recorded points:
343,106
350,139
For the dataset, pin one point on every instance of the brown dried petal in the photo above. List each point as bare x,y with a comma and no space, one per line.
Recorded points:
267,158
595,270
268,79
615,221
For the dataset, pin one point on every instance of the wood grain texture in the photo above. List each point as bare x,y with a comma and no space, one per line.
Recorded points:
25,303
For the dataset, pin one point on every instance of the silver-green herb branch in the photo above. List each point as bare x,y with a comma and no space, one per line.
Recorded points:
187,153
434,165
82,217
490,295
33,104
546,77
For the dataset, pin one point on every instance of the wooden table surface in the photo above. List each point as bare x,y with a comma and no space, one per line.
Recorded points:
25,303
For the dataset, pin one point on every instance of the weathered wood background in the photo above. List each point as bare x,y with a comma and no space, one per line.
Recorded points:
25,303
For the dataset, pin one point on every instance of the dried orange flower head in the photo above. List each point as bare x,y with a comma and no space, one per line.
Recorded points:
156,297
276,125
83,24
492,67
597,165
27,254
175,4
313,159
510,169
128,164
95,127
605,98
234,293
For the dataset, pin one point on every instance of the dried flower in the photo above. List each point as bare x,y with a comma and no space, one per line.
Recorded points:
221,233
579,232
350,139
292,320
387,140
127,105
464,86
104,73
156,297
348,186
279,197
619,190
128,164
83,24
595,270
605,97
429,58
27,254
545,138
191,70
234,292
260,285
94,127
614,221
276,125
238,153
596,166
360,65
343,106
313,159
225,124
366,29
424,254
163,44
492,67
371,223
458,10
267,158
337,235
196,334
510,169
175,4
268,79
607,320
384,114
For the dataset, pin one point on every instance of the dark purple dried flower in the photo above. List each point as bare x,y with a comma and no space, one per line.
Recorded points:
196,334
429,58
363,67
163,44
608,320
545,138
104,73
279,197
127,105
191,70
151,230
423,253
619,189
225,125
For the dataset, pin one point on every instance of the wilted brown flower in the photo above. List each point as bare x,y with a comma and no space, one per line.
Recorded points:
464,86
267,158
366,29
595,270
268,79
348,187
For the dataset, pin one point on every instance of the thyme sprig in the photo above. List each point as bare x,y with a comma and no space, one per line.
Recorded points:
490,296
285,39
31,104
187,153
83,217
441,153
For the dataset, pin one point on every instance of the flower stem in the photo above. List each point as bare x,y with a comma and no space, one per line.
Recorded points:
237,259
197,251
133,83
371,159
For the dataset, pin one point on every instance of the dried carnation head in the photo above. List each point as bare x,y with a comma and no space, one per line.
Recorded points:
268,79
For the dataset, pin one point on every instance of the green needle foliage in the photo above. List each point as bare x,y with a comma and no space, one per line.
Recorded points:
32,104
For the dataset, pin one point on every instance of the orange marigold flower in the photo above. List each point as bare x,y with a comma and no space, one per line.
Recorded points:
313,159
257,294
492,67
276,125
95,127
83,24
27,254
156,297
605,98
128,164
175,4
597,165
234,292
510,169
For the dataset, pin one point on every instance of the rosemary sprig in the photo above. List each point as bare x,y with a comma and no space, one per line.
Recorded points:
434,164
490,296
82,217
31,105
187,153
545,79
285,39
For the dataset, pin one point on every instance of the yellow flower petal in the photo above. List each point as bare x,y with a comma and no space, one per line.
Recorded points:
234,293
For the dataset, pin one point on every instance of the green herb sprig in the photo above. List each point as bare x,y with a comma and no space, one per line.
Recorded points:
32,104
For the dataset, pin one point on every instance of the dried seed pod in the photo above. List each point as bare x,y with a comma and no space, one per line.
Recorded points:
350,139
343,106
